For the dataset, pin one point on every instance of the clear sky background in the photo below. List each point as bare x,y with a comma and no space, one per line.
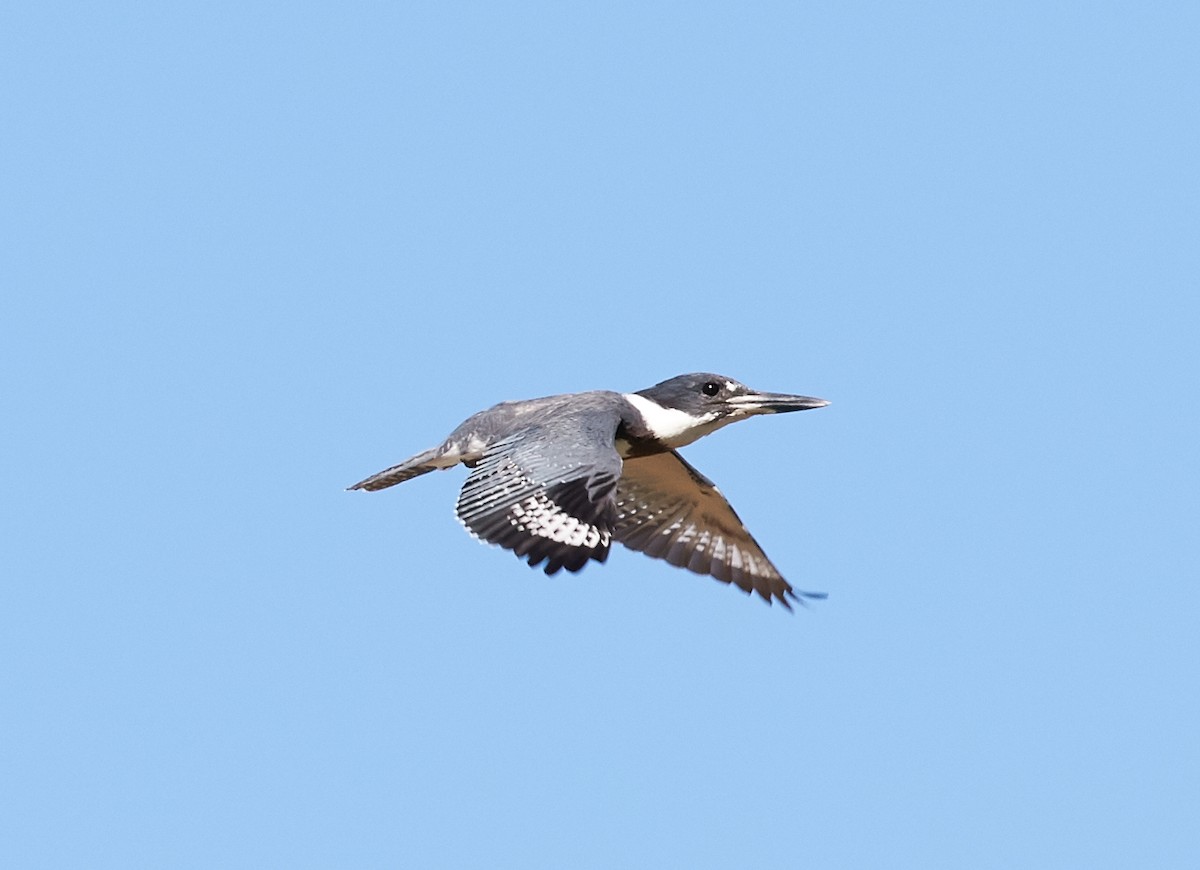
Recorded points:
253,253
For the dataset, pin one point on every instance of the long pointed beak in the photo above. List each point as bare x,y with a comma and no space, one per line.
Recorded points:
775,403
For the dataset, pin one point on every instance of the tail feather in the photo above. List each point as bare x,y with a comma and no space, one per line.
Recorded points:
420,464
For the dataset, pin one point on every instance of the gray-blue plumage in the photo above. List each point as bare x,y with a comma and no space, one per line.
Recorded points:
557,479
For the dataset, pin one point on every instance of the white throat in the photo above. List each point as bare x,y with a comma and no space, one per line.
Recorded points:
673,427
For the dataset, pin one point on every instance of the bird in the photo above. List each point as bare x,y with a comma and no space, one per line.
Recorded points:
557,480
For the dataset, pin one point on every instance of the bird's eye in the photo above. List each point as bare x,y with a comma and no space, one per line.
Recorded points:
710,388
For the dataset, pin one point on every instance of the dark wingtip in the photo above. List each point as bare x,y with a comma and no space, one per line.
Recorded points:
802,598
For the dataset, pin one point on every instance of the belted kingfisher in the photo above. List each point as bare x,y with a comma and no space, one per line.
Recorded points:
558,479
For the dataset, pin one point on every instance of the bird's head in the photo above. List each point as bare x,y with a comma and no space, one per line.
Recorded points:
684,408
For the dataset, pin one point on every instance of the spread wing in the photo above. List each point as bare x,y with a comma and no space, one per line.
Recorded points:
548,493
669,510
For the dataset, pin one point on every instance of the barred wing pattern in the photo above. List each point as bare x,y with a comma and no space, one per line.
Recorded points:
552,504
669,510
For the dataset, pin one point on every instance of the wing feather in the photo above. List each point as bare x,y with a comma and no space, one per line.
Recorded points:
669,510
548,493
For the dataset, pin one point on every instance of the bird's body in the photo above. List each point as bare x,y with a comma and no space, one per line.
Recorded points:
558,479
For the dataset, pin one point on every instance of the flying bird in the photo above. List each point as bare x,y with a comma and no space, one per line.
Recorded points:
558,479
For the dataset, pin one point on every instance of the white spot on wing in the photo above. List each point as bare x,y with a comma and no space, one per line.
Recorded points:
539,515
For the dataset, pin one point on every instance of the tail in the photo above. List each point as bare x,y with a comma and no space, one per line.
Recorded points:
420,464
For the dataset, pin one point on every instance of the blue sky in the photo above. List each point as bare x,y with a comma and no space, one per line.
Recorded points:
254,253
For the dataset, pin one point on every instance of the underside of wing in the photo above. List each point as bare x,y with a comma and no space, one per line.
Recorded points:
547,494
669,510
